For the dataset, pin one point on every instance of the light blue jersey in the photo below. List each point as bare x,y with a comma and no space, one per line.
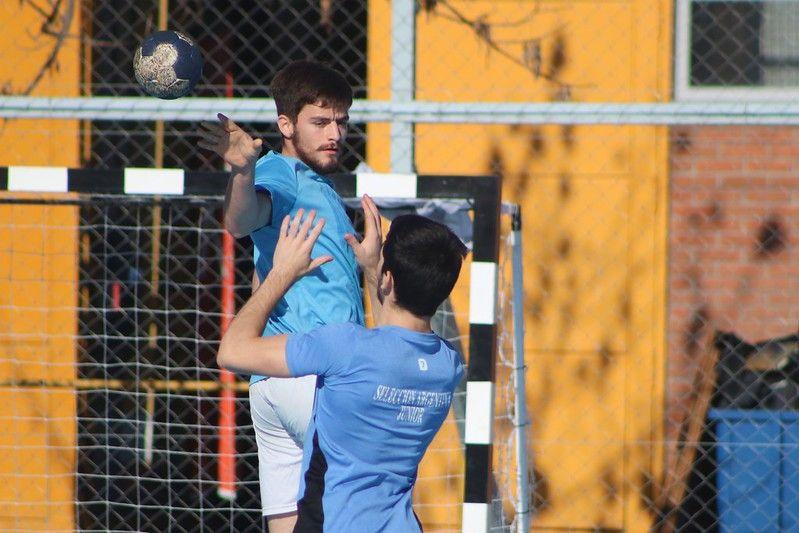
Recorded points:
329,295
382,395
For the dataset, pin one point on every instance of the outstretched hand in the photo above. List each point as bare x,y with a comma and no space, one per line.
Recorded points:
236,147
367,251
292,258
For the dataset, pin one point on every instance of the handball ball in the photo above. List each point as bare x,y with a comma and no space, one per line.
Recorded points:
167,64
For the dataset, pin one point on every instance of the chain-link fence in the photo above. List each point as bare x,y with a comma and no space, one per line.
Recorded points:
660,245
732,324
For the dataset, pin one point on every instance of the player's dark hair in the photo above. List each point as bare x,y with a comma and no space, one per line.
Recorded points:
424,258
308,82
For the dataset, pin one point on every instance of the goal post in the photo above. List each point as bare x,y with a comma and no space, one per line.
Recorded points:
155,421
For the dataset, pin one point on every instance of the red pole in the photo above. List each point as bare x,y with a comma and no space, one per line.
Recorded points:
116,296
227,401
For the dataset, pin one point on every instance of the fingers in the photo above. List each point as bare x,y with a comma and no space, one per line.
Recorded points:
211,132
209,138
368,218
373,209
314,233
317,230
284,226
211,126
306,226
227,124
319,261
294,227
371,215
298,235
369,202
300,228
352,241
210,135
370,209
205,144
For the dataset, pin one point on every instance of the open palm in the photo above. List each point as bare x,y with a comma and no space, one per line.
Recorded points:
292,255
236,147
367,251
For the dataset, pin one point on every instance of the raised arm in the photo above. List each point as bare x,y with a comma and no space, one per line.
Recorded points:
242,348
246,210
367,252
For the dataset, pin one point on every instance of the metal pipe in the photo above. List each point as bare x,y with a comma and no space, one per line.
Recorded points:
263,110
403,79
521,422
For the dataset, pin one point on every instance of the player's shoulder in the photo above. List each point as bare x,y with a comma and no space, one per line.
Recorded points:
274,164
446,345
344,330
347,326
454,354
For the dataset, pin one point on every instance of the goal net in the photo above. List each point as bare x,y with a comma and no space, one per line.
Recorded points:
115,414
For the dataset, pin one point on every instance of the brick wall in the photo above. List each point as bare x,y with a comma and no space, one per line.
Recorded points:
734,234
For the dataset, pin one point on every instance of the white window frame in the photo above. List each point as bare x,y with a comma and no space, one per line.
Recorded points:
684,92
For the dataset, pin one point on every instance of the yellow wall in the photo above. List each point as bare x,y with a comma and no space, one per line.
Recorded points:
594,204
38,285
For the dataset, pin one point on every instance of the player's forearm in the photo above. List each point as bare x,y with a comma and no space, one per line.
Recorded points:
242,348
244,212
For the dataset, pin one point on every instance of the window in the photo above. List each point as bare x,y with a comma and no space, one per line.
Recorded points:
737,50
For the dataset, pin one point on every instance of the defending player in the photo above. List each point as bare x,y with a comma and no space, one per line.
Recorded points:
384,392
312,105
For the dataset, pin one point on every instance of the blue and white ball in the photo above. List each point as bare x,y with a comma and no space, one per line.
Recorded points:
168,64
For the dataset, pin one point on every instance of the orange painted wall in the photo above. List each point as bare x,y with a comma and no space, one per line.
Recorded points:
38,285
594,210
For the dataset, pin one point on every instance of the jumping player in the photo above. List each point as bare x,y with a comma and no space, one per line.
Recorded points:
312,106
383,392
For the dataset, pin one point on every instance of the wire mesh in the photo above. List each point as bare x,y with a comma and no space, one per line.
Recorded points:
743,43
732,331
661,256
148,431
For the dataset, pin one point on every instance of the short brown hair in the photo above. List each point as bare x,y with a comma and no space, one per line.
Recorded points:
307,82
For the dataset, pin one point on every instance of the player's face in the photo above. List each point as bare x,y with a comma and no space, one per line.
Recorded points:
318,136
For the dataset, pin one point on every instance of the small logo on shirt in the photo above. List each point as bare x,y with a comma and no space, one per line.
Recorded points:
422,365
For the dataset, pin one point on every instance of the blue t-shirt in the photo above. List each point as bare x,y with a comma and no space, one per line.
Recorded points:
329,295
381,397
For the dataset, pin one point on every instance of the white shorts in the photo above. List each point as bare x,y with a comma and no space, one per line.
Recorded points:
281,409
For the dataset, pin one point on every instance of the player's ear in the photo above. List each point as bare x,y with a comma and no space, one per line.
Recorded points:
286,126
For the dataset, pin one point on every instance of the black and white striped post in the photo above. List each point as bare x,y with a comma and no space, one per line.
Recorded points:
482,358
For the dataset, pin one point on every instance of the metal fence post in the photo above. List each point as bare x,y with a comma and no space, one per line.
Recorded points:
403,79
